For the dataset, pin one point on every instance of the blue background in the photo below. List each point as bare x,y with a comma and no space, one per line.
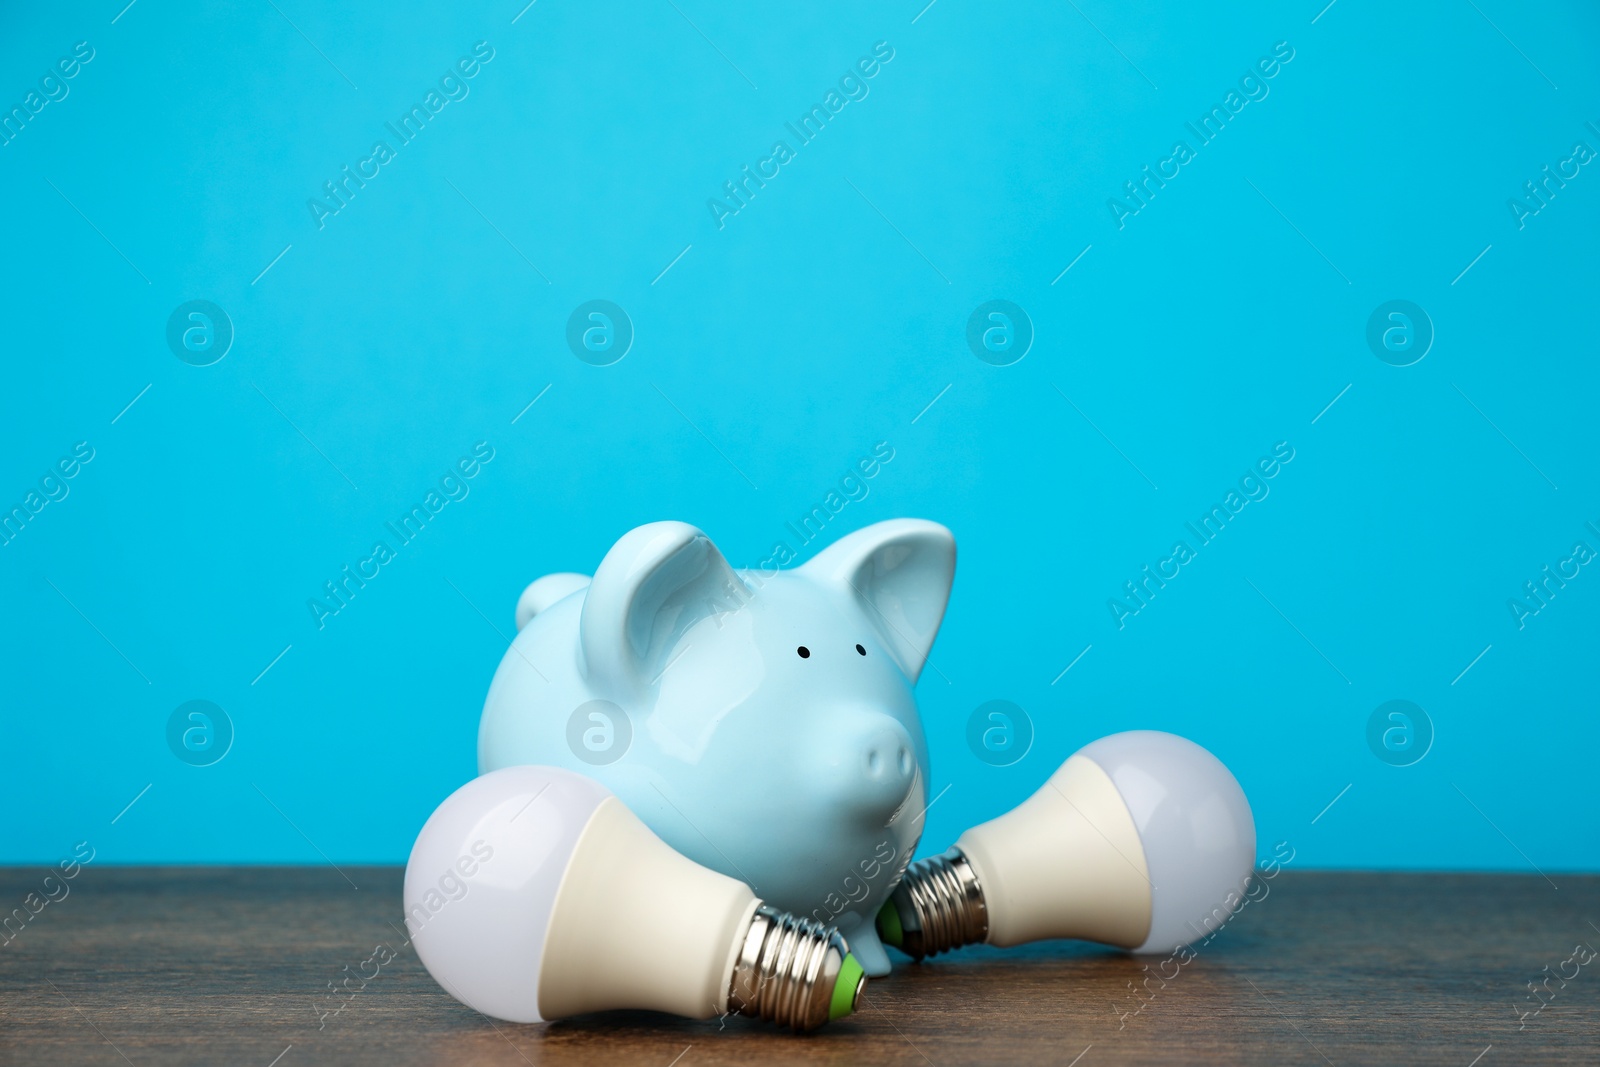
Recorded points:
823,318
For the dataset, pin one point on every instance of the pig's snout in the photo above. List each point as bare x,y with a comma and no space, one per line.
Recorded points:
877,760
889,758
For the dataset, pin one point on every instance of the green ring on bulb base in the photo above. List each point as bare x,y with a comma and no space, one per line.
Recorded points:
890,930
846,988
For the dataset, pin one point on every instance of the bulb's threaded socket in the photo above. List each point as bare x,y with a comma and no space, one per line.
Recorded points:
794,972
937,906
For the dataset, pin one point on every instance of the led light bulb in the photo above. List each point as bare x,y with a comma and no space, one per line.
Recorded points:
1138,840
533,893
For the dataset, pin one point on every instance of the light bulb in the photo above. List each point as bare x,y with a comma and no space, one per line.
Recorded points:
533,893
1139,840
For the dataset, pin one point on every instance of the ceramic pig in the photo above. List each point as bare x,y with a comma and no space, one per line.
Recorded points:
761,721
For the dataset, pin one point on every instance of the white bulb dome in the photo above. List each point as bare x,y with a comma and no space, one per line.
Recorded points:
482,881
1195,824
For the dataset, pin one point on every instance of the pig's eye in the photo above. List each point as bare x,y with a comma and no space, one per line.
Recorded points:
805,653
860,651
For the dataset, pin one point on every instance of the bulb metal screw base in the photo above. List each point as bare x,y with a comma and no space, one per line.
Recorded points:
794,972
938,906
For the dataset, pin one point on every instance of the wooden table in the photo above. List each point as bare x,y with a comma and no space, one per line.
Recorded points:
234,965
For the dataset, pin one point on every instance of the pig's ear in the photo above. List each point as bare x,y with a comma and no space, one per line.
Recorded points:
900,572
653,585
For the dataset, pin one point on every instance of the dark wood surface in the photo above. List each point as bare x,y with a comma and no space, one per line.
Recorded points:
233,966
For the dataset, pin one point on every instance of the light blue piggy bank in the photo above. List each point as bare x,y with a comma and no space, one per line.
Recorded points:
760,721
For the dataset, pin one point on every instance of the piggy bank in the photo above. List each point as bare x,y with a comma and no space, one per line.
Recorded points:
760,721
